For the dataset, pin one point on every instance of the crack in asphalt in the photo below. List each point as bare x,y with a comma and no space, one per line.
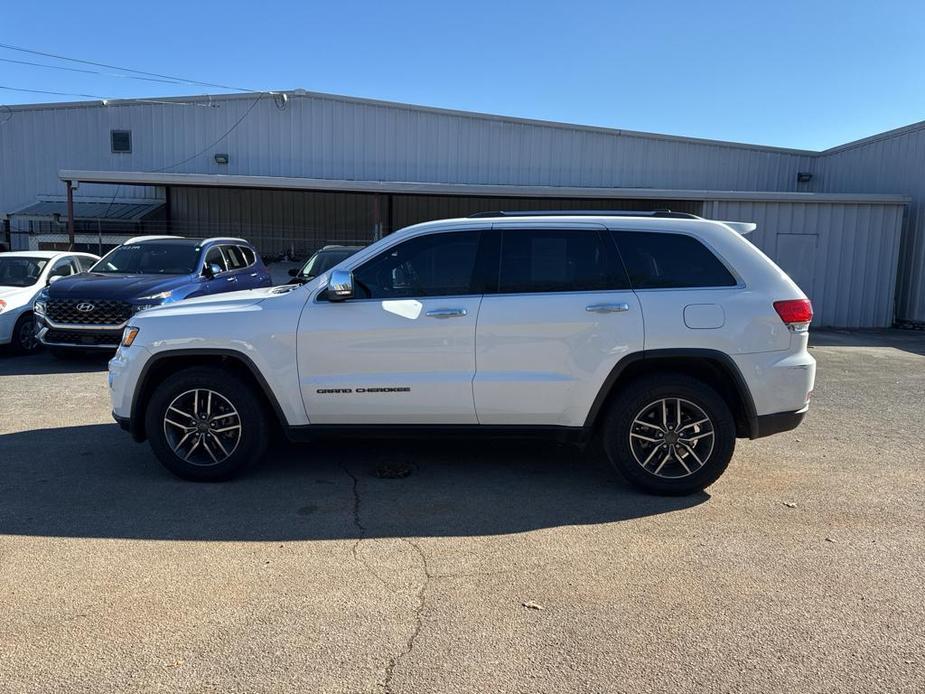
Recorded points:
418,617
421,594
357,521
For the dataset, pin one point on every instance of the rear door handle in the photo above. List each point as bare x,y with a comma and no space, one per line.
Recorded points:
447,313
608,308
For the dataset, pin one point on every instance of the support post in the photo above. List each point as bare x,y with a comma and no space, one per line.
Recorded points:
70,216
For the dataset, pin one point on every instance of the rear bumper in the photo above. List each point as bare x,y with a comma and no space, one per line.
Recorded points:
769,424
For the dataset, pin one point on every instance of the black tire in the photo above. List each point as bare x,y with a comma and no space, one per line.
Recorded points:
229,389
23,340
679,473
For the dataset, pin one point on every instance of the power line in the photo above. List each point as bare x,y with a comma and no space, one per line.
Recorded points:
222,137
45,91
124,69
89,72
105,99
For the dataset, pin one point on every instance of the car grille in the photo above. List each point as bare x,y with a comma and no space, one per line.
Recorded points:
81,337
100,311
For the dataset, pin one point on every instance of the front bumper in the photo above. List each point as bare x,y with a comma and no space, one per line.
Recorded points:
69,336
125,423
7,322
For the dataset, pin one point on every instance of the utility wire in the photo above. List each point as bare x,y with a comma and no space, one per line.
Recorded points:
104,99
124,69
45,91
193,156
90,72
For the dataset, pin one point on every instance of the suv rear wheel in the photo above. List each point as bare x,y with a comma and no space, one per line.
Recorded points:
205,424
669,434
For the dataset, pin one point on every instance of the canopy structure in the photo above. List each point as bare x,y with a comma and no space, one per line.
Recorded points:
100,211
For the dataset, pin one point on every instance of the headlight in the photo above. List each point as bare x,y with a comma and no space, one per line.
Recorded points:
39,307
129,335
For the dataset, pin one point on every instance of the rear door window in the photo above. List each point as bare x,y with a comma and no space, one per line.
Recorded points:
235,258
658,260
551,260
248,255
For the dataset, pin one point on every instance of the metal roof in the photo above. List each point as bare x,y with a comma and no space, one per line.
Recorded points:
91,211
478,190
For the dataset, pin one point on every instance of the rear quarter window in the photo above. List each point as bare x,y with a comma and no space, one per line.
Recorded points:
670,261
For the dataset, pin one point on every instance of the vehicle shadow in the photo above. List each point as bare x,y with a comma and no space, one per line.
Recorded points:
92,481
43,363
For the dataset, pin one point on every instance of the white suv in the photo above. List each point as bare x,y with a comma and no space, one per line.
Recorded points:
666,334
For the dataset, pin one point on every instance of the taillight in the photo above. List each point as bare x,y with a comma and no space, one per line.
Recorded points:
796,313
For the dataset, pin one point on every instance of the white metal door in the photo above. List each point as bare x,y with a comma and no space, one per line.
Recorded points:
390,361
543,356
404,354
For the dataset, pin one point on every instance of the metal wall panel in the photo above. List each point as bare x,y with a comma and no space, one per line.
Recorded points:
894,162
852,275
322,136
276,221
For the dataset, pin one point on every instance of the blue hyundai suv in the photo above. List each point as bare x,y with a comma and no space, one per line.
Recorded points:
89,310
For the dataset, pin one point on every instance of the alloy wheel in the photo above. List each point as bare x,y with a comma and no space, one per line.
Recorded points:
672,438
26,338
202,427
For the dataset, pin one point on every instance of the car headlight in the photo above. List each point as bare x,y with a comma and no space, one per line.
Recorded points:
129,335
39,307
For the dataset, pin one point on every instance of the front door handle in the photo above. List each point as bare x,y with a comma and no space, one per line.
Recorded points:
608,308
232,279
447,313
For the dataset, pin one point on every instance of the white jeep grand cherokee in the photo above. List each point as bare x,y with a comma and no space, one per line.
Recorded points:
665,334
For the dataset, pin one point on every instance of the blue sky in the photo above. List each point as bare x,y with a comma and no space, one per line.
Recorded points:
794,74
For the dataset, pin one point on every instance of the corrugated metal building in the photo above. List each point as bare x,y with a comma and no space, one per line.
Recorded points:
295,171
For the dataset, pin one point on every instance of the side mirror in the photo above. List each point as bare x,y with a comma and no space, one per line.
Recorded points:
340,285
211,270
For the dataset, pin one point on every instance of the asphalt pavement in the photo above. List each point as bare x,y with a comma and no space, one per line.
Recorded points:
501,567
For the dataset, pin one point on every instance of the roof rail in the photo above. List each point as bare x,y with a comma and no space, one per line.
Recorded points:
225,238
136,239
585,213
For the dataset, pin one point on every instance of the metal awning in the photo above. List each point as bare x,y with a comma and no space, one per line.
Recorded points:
145,178
96,211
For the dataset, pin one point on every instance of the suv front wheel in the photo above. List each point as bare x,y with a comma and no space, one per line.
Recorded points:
669,434
205,424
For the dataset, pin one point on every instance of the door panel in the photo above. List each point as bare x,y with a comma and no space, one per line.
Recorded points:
542,357
424,363
563,317
405,351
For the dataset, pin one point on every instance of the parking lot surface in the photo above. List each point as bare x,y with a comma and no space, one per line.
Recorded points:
490,568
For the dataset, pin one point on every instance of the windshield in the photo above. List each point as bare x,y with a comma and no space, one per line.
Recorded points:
20,271
150,259
323,261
